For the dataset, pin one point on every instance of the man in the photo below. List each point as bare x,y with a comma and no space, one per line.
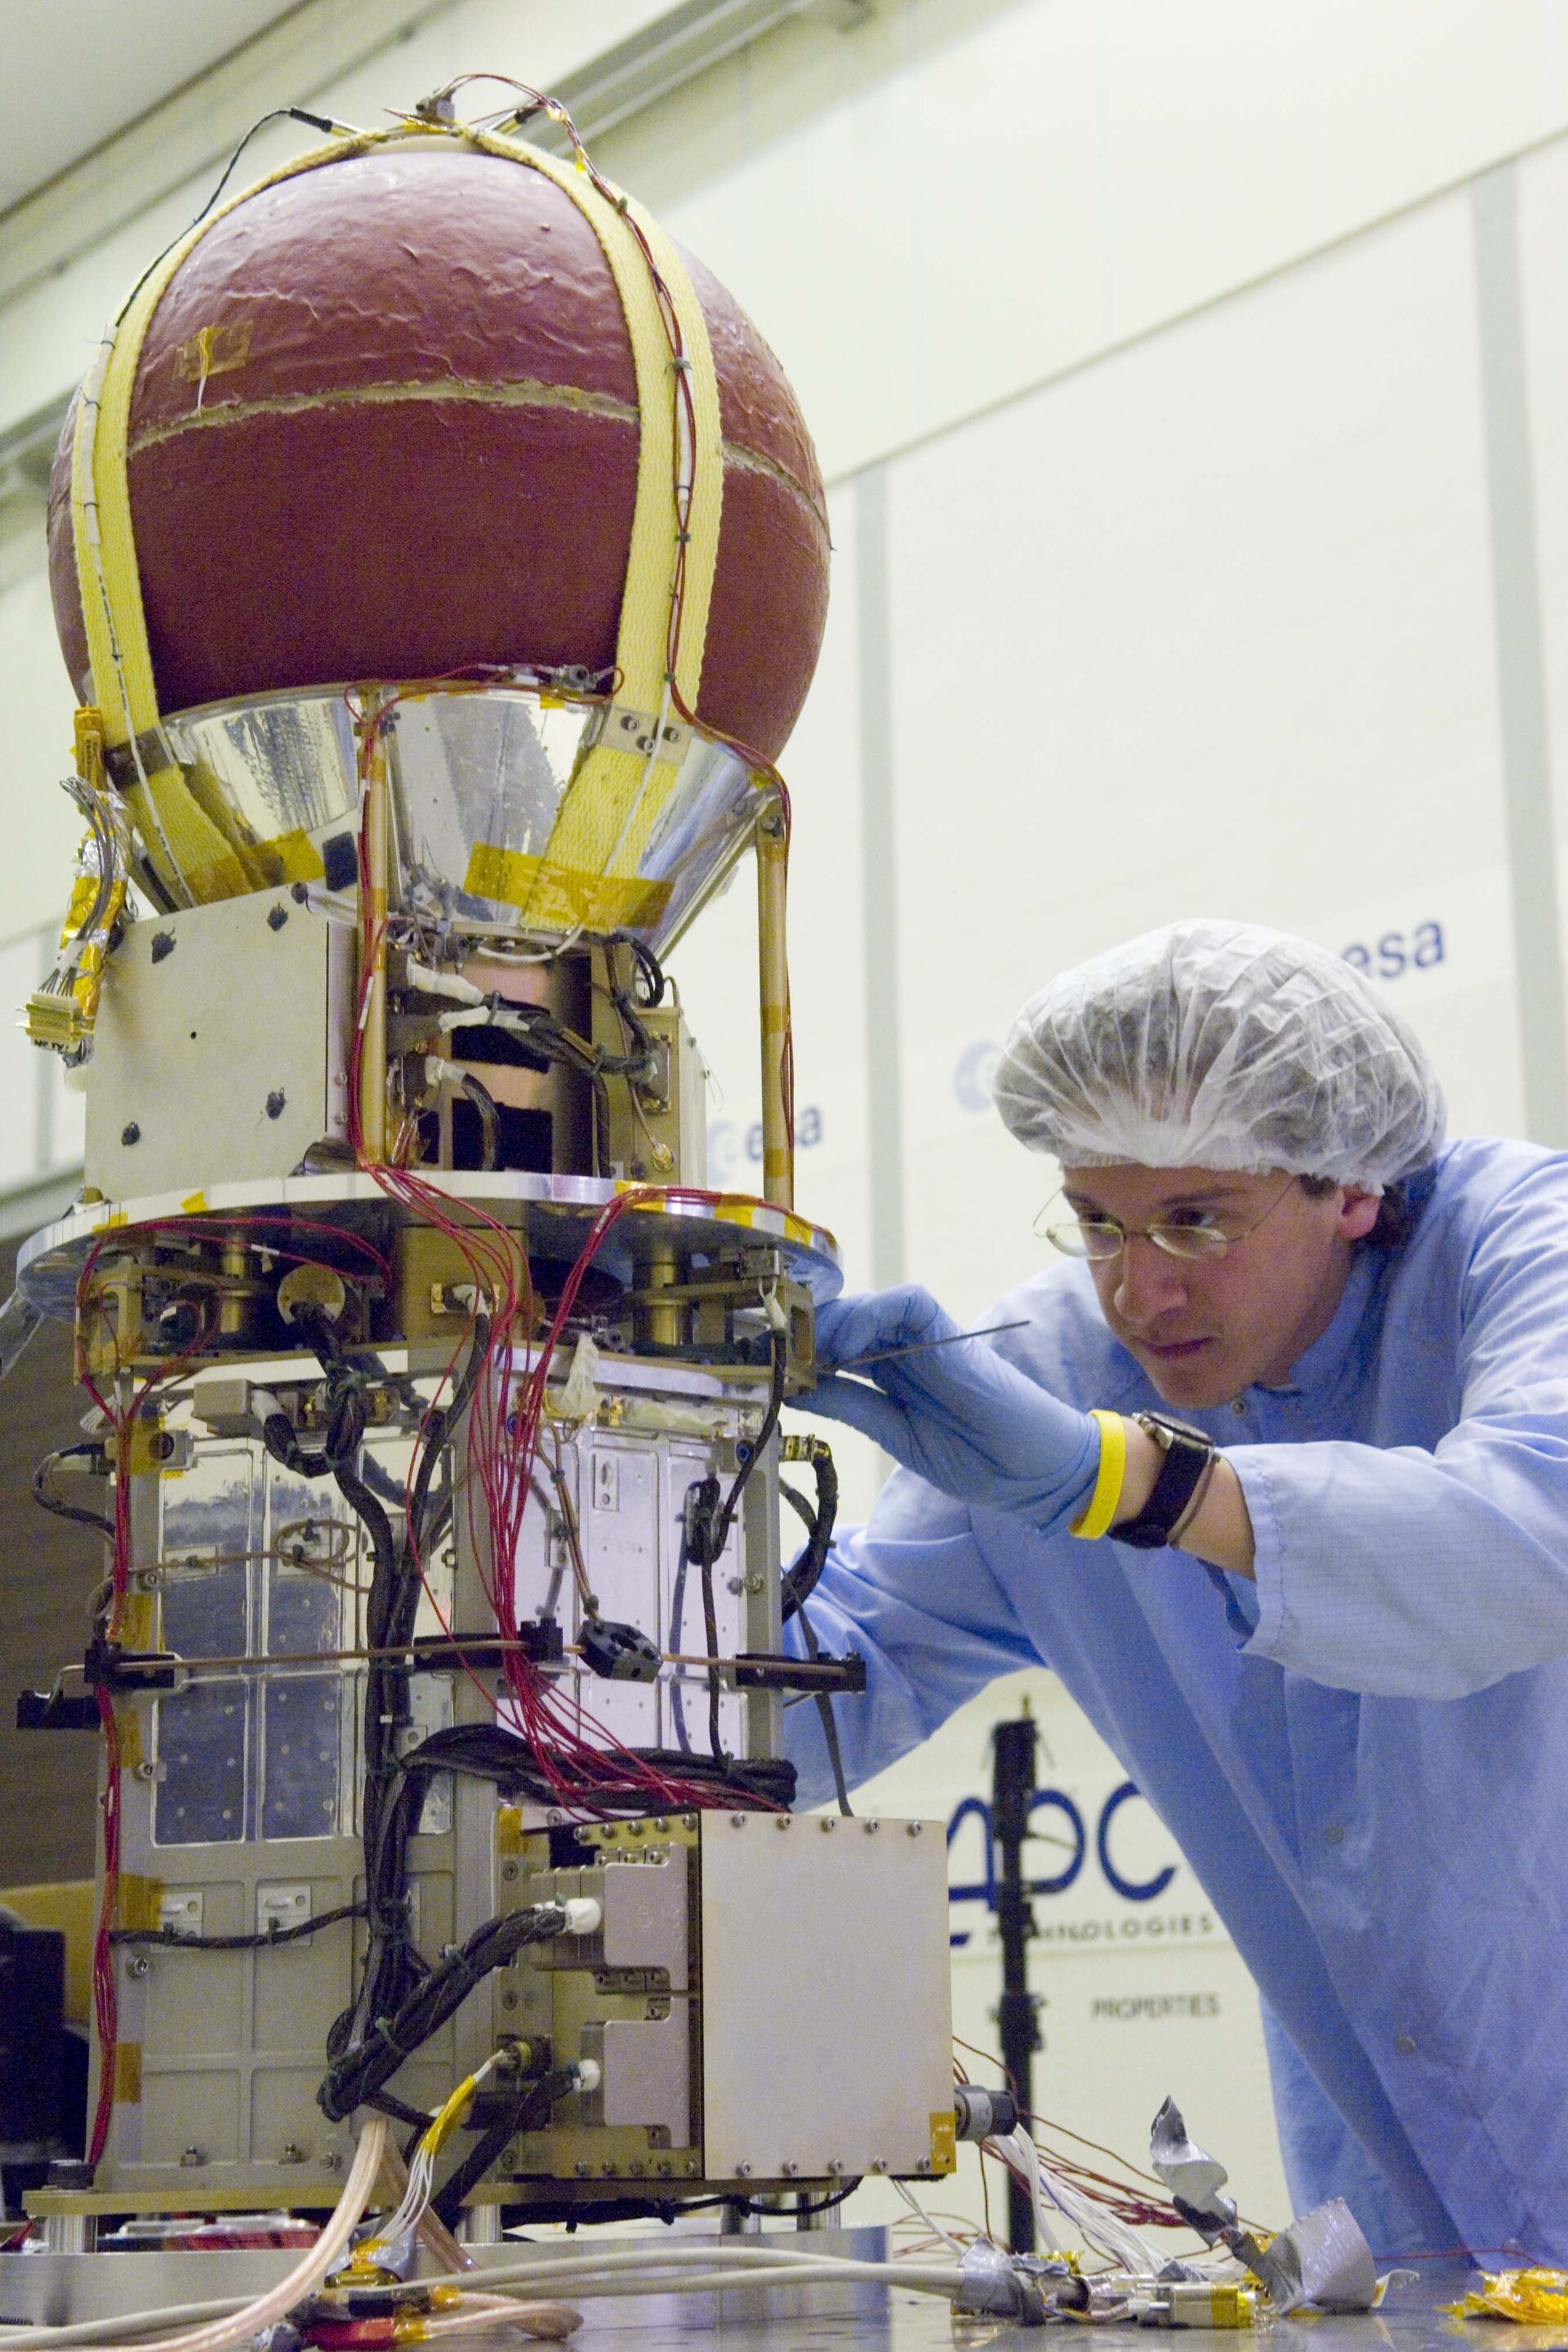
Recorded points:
1355,1722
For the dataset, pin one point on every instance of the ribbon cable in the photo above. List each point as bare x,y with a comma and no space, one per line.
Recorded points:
615,796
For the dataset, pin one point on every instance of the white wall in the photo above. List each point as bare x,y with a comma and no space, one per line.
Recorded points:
1161,360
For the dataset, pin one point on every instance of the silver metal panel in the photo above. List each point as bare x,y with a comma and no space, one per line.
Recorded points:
850,2078
646,1916
647,2073
469,770
231,1010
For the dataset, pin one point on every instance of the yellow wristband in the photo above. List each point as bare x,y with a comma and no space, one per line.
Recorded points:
1103,1504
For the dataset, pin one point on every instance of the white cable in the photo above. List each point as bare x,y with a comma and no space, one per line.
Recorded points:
919,2210
1123,2245
776,2260
694,2268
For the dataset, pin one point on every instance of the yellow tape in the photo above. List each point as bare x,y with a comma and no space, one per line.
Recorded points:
137,1900
127,1722
943,2140
127,2073
558,898
1101,1507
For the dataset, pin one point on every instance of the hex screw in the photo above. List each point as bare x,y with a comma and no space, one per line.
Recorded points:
508,1870
870,1828
913,1829
138,1966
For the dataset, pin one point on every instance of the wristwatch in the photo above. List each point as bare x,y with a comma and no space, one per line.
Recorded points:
1189,1455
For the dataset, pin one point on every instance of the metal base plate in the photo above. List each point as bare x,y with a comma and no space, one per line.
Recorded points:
555,1214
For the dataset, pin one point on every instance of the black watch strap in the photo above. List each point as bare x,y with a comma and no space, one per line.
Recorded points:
1189,1453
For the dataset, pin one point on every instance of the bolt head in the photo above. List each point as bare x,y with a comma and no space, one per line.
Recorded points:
870,1828
743,2171
913,1829
827,1823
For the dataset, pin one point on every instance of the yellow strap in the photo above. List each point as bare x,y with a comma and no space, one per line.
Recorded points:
1100,1509
197,860
614,800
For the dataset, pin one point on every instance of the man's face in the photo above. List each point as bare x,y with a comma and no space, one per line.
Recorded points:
1205,1329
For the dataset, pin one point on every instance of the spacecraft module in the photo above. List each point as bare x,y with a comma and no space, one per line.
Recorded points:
441,560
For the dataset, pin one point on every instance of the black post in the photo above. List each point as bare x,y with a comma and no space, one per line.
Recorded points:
1012,1789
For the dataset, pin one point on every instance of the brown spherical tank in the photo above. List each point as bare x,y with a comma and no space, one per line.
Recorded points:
384,426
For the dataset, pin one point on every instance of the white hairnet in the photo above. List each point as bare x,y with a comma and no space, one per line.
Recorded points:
1212,1045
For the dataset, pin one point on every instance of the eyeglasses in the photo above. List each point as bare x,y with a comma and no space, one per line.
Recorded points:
1106,1237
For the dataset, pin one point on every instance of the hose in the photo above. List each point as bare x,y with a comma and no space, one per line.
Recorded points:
243,2320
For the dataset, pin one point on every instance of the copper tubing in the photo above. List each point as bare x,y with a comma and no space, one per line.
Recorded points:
773,959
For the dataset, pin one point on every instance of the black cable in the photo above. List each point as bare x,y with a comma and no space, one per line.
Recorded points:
355,2075
707,1561
801,1577
707,1532
526,2111
273,114
825,1717
487,1751
49,1502
170,1938
699,1494
804,2206
649,968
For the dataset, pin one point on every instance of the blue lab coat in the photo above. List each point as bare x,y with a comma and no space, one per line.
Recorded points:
1364,1756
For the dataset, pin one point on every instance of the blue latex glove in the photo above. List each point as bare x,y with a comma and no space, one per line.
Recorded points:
958,1416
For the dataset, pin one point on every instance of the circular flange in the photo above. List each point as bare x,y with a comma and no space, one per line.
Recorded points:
554,1215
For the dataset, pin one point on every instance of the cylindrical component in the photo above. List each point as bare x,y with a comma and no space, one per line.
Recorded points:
235,1308
662,1326
371,1140
772,960
980,2114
